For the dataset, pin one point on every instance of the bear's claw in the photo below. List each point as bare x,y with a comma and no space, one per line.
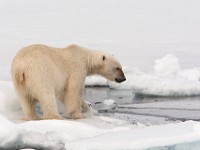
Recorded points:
77,116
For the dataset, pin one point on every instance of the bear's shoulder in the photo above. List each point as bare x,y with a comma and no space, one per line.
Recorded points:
73,46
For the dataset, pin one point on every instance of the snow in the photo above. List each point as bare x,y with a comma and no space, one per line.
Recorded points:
157,43
96,80
167,66
86,134
192,74
14,137
9,104
141,138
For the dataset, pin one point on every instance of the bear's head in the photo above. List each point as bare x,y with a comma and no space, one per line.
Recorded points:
107,66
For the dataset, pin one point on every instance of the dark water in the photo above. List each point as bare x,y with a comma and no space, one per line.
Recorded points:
149,115
98,94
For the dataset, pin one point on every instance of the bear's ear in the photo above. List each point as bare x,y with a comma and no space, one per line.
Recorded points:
103,57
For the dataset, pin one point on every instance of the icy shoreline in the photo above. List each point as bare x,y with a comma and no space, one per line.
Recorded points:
94,132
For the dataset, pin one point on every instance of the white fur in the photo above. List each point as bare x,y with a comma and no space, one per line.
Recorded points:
41,74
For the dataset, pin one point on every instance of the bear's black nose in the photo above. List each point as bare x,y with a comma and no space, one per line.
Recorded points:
119,80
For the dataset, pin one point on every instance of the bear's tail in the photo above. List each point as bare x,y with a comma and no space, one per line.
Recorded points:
18,76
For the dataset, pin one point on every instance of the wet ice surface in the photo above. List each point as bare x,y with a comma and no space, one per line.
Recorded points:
137,108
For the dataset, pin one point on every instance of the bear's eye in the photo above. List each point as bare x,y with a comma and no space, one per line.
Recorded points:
103,58
117,68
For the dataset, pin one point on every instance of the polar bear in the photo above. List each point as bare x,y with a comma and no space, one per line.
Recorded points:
43,74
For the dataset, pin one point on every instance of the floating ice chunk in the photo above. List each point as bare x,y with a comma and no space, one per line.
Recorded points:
109,102
106,105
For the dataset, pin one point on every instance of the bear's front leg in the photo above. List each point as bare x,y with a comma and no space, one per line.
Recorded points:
73,97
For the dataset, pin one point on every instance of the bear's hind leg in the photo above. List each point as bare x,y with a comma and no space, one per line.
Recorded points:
49,106
28,106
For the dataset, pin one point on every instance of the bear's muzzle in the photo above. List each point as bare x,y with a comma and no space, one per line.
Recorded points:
121,79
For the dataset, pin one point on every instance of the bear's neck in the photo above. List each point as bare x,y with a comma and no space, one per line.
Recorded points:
92,68
94,71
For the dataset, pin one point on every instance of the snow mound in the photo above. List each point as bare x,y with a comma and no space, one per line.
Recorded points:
166,66
167,79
